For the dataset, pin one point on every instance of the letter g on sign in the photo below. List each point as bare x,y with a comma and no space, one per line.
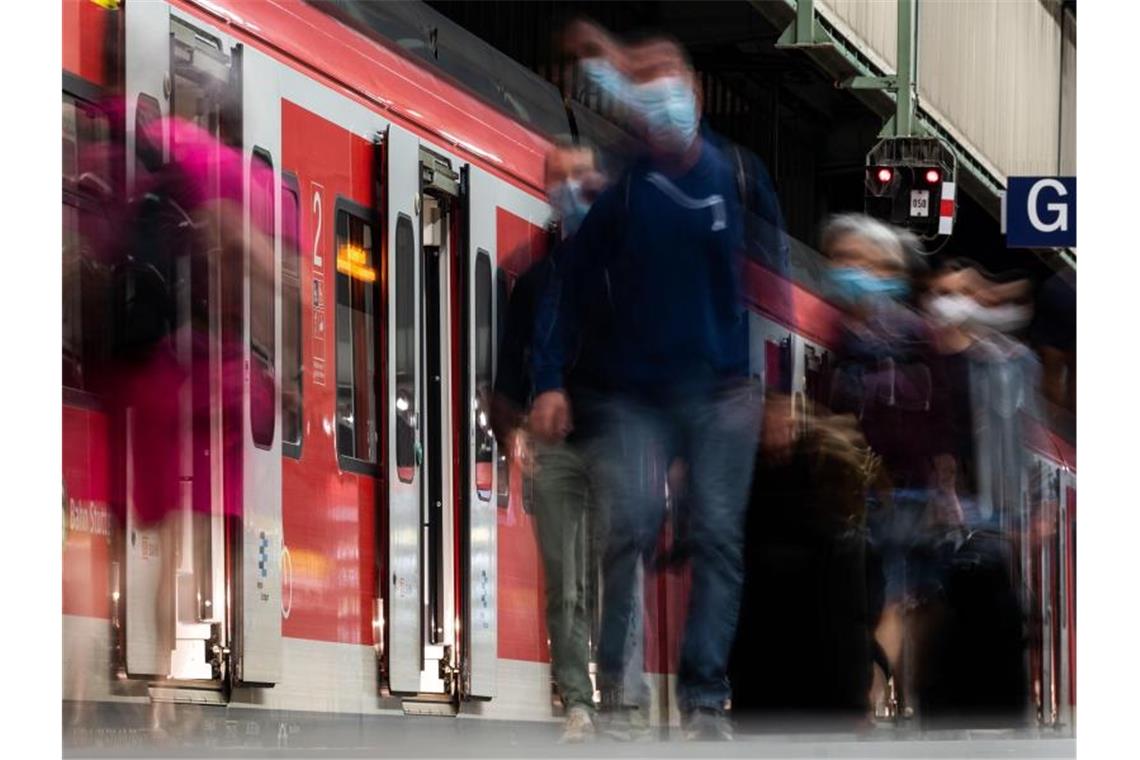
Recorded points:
1060,211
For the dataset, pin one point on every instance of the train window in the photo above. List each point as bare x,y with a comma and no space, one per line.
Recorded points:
405,411
502,292
356,435
292,366
86,185
262,300
148,152
484,440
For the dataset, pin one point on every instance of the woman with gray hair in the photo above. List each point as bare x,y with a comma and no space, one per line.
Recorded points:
889,376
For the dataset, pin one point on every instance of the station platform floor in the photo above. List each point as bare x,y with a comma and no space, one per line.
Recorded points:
188,731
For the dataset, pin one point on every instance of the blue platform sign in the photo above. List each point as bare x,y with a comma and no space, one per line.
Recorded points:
1041,212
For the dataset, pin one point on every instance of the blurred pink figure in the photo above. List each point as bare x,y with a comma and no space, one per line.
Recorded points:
191,206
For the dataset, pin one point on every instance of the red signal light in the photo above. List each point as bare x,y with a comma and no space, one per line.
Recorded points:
884,175
932,176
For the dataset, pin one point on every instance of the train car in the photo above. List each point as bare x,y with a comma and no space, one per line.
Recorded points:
381,560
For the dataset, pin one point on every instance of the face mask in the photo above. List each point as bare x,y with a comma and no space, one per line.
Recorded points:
950,310
610,83
853,285
566,198
667,111
1004,319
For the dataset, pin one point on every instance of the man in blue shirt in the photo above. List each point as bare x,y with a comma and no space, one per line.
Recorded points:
666,240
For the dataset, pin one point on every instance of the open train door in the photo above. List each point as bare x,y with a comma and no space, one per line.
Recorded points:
175,586
183,610
404,649
480,518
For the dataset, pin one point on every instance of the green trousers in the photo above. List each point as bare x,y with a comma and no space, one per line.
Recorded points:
561,505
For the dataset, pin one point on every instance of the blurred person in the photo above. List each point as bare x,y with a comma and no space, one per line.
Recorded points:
992,378
969,623
189,207
805,645
1054,335
889,375
667,237
559,470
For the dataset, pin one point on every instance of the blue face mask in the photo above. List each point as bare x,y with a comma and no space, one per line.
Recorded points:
667,109
566,198
605,79
664,109
852,285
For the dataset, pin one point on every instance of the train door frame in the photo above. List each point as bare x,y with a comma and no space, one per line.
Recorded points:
1039,560
1066,546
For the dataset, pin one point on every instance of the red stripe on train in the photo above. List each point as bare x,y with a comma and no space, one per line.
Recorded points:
387,82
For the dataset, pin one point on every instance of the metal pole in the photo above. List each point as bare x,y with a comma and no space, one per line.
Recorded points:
904,103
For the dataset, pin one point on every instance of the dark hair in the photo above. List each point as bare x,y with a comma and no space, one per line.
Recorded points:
647,35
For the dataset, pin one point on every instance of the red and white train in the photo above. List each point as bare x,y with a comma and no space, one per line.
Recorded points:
383,561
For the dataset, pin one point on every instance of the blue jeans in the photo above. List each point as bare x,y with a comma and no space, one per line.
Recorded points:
716,434
894,531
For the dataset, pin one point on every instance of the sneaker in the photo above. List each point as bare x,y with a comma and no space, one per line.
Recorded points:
639,728
579,726
616,723
708,724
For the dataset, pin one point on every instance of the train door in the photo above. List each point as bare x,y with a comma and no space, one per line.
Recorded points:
815,365
770,349
404,646
206,582
479,602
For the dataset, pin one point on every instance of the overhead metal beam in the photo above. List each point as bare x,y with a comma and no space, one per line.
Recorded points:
841,59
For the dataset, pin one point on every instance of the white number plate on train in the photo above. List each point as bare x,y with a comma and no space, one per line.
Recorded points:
920,203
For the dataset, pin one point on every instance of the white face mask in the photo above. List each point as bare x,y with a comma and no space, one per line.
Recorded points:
950,310
963,311
1004,319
